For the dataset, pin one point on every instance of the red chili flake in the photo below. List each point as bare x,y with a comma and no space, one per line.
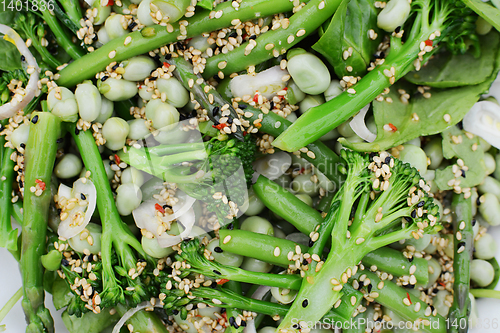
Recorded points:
41,184
220,126
441,283
285,89
309,260
393,128
166,64
428,42
117,159
110,3
256,98
222,281
245,133
224,315
408,296
159,208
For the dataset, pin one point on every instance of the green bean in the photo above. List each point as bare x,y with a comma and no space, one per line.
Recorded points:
462,227
482,272
343,313
40,157
489,163
415,156
287,205
392,296
156,36
281,40
394,262
434,151
69,166
485,247
490,208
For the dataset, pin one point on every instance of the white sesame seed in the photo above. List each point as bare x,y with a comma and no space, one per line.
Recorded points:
227,239
277,251
360,240
301,33
111,54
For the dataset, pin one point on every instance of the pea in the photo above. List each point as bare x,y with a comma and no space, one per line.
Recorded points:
115,131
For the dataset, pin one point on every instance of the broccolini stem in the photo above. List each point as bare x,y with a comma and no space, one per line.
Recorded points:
301,25
463,243
153,37
143,321
40,156
73,12
8,236
287,205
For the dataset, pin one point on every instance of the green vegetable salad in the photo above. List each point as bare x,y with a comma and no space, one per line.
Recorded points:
250,165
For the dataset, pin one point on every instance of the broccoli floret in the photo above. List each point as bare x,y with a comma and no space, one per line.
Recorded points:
382,201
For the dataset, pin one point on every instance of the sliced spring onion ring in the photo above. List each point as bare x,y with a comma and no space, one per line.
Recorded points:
483,120
359,127
86,187
10,109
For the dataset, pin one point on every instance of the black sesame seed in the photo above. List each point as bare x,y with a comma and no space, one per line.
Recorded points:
271,105
461,244
115,66
215,110
132,25
60,140
167,206
229,120
369,288
242,106
473,222
311,243
64,262
397,30
104,78
296,326
410,259
478,202
168,56
230,226
82,196
77,131
408,219
463,173
23,58
243,323
233,34
175,312
414,214
420,204
22,145
387,160
34,120
305,303
218,249
304,262
217,272
432,307
231,321
253,37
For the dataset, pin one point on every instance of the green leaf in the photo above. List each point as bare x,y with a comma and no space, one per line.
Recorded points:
349,29
441,71
207,4
474,159
7,16
89,322
61,294
10,58
490,13
420,117
496,269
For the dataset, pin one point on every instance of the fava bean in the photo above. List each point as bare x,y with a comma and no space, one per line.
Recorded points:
128,198
258,224
69,166
115,131
308,71
485,247
415,156
224,257
434,151
481,272
490,208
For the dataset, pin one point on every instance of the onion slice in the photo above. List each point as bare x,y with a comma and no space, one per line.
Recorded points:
359,127
483,120
67,228
127,315
10,109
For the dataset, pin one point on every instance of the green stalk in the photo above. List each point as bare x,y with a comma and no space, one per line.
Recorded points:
176,148
239,59
143,321
8,236
392,296
461,307
156,36
234,286
73,12
40,156
9,305
287,205
321,119
485,293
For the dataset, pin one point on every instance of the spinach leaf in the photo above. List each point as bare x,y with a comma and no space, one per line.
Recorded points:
446,70
485,10
7,16
349,30
207,4
421,116
10,58
61,294
457,144
89,322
